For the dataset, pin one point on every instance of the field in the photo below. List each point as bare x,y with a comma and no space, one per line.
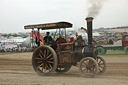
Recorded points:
16,69
115,53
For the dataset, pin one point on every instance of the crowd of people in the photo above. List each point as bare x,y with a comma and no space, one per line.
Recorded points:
16,50
108,37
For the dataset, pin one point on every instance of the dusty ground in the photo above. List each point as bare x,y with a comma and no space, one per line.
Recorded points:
16,69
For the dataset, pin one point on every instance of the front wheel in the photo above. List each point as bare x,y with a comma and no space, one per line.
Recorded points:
89,67
44,60
102,64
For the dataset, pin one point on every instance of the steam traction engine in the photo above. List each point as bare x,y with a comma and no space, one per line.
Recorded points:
46,59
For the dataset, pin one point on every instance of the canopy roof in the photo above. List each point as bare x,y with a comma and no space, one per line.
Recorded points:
50,26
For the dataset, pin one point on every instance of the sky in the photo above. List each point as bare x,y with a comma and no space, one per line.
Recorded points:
15,14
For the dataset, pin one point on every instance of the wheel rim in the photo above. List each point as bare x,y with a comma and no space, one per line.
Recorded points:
102,64
101,50
44,61
88,67
126,50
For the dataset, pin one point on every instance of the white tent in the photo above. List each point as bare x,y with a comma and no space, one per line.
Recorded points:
13,40
27,40
96,34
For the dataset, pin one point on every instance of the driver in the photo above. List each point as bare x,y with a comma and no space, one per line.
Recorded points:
47,38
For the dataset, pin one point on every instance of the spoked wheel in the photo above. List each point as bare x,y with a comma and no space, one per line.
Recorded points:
102,64
101,50
44,60
63,68
126,50
89,67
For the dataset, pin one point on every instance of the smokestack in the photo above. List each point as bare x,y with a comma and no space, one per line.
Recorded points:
89,28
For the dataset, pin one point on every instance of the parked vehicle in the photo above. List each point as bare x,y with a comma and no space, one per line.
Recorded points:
118,45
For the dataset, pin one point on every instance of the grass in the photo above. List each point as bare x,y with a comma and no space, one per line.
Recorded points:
109,53
115,53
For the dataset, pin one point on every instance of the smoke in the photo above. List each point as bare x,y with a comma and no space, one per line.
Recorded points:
96,7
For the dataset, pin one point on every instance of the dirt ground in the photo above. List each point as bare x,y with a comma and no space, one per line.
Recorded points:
16,69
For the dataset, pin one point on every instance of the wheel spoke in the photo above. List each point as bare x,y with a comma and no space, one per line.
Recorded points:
47,67
101,66
100,70
38,58
85,63
93,64
39,62
40,65
50,66
49,56
84,69
41,56
100,61
50,62
41,52
45,53
92,69
87,71
83,66
97,59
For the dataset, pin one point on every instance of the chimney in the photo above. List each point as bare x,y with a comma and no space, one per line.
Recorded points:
89,28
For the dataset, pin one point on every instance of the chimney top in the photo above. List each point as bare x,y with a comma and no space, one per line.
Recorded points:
89,19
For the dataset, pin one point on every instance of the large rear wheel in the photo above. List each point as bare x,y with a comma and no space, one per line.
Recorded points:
89,67
44,60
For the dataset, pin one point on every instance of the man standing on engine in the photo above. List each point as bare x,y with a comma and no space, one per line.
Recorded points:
47,39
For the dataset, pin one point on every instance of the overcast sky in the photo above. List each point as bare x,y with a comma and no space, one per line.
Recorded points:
15,14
